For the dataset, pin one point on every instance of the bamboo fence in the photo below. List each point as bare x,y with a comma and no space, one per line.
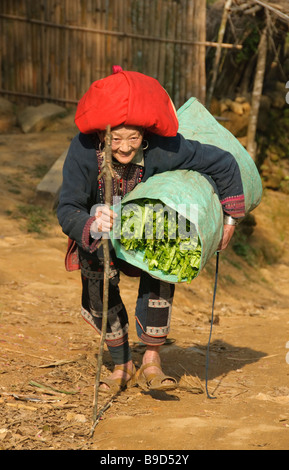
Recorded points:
54,49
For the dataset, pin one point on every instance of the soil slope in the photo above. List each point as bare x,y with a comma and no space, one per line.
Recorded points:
45,343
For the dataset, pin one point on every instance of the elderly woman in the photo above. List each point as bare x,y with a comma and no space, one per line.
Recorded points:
145,141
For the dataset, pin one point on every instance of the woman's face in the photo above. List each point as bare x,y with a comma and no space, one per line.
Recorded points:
125,142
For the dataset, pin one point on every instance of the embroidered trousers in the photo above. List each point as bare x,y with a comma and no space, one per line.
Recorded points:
153,307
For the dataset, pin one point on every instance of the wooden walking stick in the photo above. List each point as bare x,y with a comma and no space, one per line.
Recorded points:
107,173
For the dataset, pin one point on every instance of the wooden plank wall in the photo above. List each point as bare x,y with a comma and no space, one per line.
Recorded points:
55,49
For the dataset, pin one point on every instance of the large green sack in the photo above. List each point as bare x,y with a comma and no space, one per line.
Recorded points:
191,188
196,123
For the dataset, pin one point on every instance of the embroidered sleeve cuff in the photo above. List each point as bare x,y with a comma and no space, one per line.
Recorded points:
88,244
234,206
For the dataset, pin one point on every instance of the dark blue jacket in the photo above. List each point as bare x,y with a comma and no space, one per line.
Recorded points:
80,172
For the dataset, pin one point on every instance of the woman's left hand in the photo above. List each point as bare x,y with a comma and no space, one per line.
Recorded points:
227,235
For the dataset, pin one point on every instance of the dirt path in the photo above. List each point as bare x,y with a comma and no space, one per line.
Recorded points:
44,341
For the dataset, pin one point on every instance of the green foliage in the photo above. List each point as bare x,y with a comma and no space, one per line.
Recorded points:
242,248
250,46
277,136
36,217
40,170
263,252
161,242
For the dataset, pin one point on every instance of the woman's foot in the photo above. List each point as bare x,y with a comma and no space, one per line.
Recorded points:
151,370
119,378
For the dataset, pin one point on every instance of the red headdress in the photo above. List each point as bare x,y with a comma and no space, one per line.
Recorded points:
127,98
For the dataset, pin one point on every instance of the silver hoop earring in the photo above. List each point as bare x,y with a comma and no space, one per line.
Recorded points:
146,144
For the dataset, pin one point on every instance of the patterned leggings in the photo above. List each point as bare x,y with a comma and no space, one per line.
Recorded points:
153,310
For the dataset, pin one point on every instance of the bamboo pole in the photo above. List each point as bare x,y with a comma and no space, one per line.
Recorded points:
74,53
101,48
256,96
3,91
57,47
140,51
177,59
133,28
94,44
96,52
50,42
108,39
16,71
65,63
33,61
128,42
193,85
45,50
190,78
183,54
118,49
31,51
146,30
150,25
86,51
157,26
78,51
202,53
218,50
162,56
107,174
108,32
195,89
170,49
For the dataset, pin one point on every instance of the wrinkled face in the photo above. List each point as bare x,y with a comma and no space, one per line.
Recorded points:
125,142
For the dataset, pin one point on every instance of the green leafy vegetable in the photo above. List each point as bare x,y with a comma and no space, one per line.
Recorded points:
166,239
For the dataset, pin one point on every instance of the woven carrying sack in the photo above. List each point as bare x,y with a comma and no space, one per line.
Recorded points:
191,188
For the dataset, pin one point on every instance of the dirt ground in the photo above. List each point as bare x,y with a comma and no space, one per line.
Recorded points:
48,353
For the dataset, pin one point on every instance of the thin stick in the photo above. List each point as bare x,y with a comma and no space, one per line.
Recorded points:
99,416
278,12
257,93
107,172
221,34
123,34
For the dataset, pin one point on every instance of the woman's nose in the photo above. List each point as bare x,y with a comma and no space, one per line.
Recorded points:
124,146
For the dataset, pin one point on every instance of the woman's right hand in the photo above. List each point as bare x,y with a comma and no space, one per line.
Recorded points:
103,223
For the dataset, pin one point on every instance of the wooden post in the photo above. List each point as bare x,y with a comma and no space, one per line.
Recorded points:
107,173
218,51
202,52
256,96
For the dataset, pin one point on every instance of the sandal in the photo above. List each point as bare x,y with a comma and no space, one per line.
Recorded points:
155,381
117,385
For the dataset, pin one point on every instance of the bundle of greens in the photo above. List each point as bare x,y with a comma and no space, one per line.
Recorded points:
162,235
